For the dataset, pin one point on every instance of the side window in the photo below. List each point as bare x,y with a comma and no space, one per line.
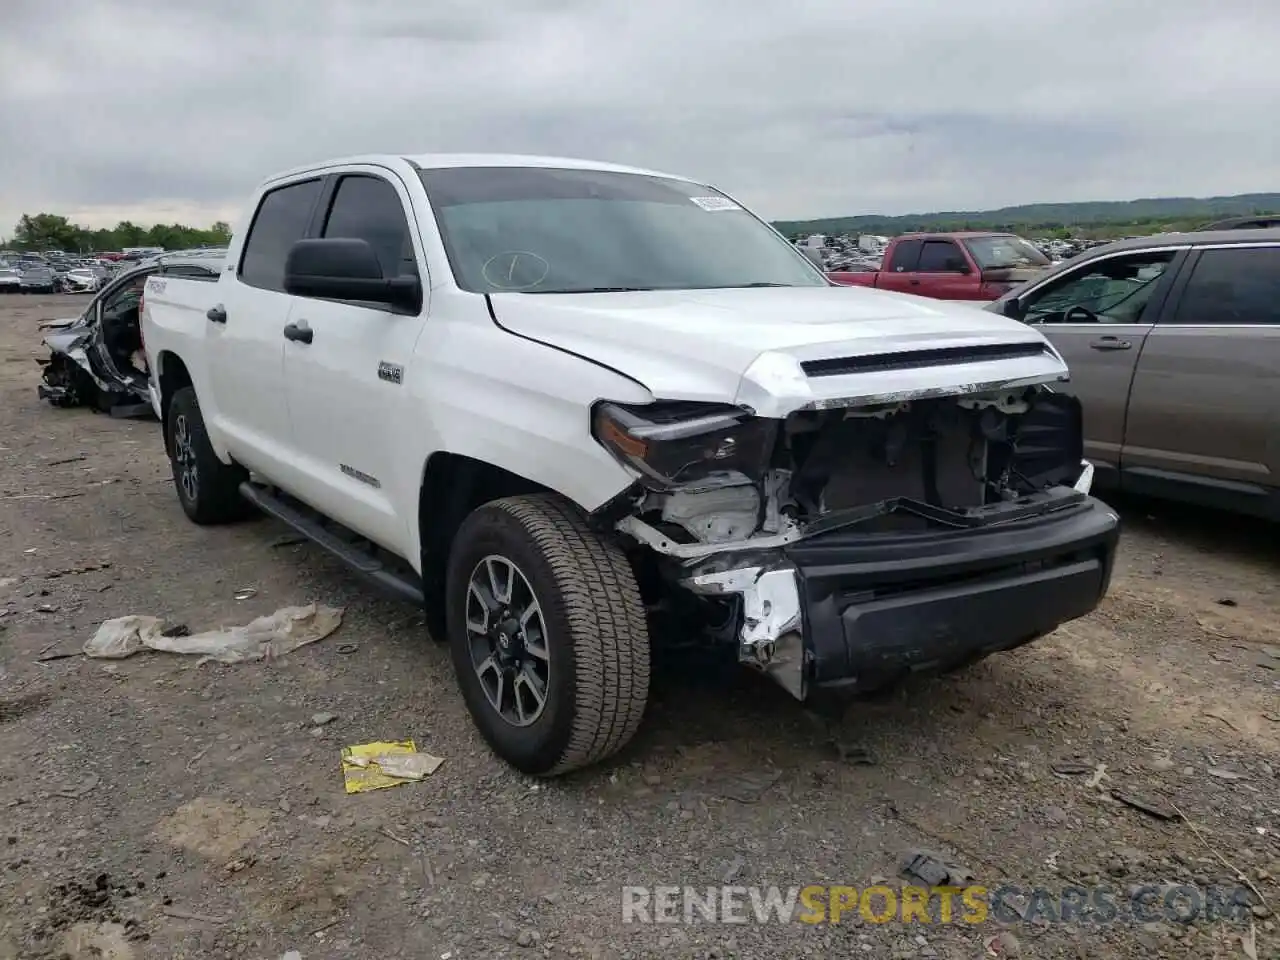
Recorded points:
906,254
369,208
941,256
1114,290
189,270
1240,286
281,221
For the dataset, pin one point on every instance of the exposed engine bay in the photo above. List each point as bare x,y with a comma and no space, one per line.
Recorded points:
723,495
725,477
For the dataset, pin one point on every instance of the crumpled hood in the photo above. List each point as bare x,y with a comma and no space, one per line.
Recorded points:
63,341
747,345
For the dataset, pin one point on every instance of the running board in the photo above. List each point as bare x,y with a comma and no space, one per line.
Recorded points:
316,528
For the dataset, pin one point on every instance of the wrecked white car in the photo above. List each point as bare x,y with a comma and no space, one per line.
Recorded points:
579,409
96,359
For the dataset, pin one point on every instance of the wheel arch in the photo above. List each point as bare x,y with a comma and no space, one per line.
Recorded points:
452,486
173,375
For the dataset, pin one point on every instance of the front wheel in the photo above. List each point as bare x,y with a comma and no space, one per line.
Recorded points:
208,489
547,633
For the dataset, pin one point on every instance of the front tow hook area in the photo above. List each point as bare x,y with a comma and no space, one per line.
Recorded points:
771,639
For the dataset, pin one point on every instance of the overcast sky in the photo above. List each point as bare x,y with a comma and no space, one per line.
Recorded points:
114,109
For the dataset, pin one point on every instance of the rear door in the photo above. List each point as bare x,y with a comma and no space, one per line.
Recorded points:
1207,390
1098,317
900,266
345,386
245,341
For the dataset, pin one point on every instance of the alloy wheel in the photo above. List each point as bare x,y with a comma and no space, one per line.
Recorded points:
184,458
507,638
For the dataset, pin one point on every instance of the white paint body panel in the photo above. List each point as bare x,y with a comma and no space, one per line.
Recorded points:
744,346
515,393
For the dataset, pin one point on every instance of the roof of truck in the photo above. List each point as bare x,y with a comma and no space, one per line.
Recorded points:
431,161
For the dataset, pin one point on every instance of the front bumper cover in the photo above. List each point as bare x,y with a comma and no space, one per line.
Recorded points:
845,611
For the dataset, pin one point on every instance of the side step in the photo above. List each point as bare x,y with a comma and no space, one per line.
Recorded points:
365,560
129,411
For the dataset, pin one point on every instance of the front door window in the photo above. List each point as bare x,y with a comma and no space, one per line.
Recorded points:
1114,290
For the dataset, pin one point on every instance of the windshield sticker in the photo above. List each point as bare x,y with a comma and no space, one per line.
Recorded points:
715,204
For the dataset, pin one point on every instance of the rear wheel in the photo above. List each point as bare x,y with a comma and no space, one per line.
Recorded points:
547,633
208,489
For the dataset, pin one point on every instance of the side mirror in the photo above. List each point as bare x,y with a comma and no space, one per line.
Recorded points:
346,268
1012,308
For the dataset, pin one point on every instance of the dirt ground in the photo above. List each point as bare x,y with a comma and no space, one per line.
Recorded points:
150,807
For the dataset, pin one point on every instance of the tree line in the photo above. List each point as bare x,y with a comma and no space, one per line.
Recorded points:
1090,220
1052,230
49,231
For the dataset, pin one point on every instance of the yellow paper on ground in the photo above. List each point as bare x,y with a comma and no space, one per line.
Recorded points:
361,771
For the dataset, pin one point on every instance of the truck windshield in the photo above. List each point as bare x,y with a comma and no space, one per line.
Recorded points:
998,253
550,230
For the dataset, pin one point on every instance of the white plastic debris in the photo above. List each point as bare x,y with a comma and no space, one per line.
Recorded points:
402,766
262,639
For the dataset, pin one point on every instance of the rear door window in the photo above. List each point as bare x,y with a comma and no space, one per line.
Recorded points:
1233,287
905,257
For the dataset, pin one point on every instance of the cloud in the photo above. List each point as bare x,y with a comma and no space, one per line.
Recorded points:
808,108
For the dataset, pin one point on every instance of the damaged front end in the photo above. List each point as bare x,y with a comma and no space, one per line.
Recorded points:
845,543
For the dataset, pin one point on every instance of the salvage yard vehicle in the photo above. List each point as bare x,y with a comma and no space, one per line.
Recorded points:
35,278
952,266
1174,348
10,279
570,407
80,280
96,359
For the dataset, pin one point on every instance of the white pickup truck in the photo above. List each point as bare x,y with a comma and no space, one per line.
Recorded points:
576,409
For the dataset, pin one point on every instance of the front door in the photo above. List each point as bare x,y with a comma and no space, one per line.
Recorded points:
1097,318
116,338
346,383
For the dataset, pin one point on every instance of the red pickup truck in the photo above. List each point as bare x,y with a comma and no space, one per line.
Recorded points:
952,266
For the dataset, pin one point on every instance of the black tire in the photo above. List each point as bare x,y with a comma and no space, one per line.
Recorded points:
208,489
596,635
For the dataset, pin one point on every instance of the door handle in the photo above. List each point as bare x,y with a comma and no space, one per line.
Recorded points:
1110,343
914,281
299,333
217,314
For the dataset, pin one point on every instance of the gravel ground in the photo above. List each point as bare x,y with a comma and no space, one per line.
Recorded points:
153,808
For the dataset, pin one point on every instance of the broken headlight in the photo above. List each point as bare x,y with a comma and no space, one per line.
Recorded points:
675,443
